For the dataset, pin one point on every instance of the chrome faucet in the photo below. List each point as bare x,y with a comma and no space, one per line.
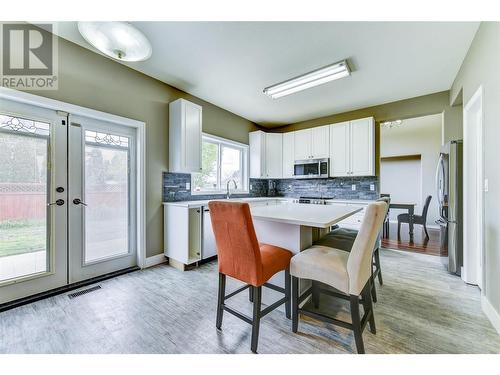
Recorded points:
228,192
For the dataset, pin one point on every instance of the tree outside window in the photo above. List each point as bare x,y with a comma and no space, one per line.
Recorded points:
222,161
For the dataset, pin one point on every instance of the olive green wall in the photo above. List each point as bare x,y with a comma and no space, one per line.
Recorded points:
481,67
403,109
91,80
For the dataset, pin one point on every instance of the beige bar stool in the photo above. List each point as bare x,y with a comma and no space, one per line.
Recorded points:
348,272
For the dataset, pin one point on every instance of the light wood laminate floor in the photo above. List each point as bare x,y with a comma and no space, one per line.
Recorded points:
421,309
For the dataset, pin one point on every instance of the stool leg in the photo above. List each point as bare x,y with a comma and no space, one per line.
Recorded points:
315,294
257,296
356,324
373,290
287,294
377,265
220,299
368,305
250,294
295,304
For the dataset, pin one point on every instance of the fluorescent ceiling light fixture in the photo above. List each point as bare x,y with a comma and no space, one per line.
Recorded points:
119,40
315,78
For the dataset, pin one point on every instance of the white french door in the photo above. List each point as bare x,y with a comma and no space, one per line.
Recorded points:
101,198
67,199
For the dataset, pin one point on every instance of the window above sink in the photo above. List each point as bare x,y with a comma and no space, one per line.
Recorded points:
222,160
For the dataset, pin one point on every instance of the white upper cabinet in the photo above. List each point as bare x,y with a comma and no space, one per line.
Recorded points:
339,150
266,154
363,147
288,154
274,155
312,143
352,148
302,144
320,142
185,128
257,147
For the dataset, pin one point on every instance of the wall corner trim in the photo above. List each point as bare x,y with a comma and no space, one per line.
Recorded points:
155,260
491,313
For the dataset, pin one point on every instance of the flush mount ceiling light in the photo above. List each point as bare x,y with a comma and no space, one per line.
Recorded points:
119,40
317,77
391,124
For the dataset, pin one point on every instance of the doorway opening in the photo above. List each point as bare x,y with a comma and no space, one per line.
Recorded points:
473,191
409,153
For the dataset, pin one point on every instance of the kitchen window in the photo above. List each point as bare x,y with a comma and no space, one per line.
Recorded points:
222,160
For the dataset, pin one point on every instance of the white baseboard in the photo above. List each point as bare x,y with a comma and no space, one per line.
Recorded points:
491,313
155,260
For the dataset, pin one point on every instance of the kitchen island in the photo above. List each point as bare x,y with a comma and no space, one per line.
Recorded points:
295,226
278,221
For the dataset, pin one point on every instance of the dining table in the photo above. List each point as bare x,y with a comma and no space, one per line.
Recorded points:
410,208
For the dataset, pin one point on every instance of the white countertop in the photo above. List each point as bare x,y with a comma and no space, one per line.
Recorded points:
311,215
350,201
199,203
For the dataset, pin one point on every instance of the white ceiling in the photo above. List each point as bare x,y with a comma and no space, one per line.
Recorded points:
229,63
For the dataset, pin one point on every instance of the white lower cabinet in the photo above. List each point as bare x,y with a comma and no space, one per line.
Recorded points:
208,247
182,234
189,236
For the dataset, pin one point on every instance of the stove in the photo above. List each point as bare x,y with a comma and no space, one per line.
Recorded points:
313,200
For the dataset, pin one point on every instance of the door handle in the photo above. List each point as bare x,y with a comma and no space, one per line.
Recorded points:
79,201
58,202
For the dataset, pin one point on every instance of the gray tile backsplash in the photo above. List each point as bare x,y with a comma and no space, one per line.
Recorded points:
339,188
174,188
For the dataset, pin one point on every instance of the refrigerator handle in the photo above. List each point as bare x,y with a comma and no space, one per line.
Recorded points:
439,182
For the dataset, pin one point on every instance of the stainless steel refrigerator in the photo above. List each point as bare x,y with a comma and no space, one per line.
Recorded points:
449,184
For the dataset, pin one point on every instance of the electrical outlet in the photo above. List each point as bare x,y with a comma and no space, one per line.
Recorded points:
486,187
188,186
372,187
353,187
251,187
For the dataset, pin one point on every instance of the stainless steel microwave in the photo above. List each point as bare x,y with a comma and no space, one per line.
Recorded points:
311,168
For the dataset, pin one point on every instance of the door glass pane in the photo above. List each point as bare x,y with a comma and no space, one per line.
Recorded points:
231,167
106,196
24,180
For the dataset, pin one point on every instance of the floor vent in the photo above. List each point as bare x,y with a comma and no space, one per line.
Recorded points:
85,291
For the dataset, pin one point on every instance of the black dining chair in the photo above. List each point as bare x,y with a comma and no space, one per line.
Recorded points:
417,219
385,228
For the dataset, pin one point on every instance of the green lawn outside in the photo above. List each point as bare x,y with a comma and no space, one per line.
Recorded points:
22,236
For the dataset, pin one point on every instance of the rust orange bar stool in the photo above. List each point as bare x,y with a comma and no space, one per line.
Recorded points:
241,257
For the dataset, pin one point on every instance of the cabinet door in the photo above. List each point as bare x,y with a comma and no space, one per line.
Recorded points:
302,143
274,155
288,154
339,149
194,242
209,248
320,142
257,147
362,147
192,137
